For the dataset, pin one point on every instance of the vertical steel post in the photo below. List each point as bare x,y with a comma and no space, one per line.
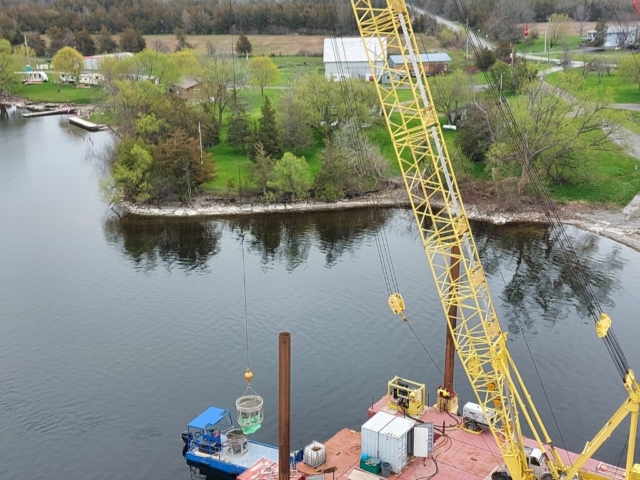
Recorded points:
284,404
452,319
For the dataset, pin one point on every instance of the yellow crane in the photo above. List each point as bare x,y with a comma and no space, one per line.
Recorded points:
474,328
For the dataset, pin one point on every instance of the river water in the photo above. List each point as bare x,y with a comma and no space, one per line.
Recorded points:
115,333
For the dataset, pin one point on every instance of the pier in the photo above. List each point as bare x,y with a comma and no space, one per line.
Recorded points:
79,122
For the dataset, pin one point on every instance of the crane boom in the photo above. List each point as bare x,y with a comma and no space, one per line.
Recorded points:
446,235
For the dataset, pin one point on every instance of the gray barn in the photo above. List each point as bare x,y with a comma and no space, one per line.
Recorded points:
347,57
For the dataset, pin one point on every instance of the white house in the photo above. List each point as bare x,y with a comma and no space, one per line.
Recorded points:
347,57
618,37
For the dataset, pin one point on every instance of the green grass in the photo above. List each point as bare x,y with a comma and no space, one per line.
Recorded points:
538,45
48,92
289,67
254,99
622,92
612,179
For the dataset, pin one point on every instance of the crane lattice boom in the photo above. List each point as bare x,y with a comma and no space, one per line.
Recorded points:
446,235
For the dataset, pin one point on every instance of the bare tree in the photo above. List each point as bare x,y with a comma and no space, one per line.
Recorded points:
581,12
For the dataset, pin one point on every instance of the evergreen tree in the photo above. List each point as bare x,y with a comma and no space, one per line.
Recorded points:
132,41
106,44
243,45
268,131
262,168
239,130
601,33
181,39
485,59
84,42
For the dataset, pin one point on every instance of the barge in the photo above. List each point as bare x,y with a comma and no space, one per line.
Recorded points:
397,441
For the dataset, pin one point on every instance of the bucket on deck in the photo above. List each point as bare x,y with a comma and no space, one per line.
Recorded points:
385,469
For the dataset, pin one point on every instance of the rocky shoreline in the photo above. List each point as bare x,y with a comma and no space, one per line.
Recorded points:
620,225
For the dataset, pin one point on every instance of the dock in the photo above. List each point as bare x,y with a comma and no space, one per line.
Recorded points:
44,113
79,122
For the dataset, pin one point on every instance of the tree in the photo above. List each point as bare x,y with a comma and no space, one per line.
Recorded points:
485,59
131,171
559,127
243,45
84,42
268,131
367,165
290,178
478,130
106,43
9,64
262,72
293,126
629,69
239,131
181,40
68,60
262,167
56,39
155,64
217,78
132,41
35,41
506,20
321,98
557,25
601,33
581,13
335,179
180,161
451,92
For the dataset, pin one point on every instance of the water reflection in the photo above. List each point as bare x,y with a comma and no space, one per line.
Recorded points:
289,238
539,281
188,244
275,238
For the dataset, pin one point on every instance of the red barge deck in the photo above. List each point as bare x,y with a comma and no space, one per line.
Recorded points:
458,455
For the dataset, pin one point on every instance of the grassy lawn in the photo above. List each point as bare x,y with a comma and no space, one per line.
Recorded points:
622,92
539,44
48,92
290,67
612,179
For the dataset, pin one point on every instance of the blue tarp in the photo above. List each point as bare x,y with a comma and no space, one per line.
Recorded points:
211,416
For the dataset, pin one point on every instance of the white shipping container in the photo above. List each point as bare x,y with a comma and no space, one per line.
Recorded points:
369,432
393,443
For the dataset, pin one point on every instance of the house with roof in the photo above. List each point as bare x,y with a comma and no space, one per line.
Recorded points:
433,63
188,89
618,36
348,57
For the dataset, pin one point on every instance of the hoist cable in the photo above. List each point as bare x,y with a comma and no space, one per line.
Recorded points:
244,288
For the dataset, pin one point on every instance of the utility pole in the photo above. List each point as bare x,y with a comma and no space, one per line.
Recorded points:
447,398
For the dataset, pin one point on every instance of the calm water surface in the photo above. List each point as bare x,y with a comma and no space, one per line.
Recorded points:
115,333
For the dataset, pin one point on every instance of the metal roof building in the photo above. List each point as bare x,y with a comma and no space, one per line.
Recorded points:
347,57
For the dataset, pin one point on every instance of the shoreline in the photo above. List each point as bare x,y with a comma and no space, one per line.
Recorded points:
620,225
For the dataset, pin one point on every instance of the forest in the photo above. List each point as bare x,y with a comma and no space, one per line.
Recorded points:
272,17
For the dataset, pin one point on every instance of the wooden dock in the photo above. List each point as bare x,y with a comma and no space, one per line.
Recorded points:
79,122
44,113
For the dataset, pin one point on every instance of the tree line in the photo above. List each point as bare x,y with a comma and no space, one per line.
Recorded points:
192,16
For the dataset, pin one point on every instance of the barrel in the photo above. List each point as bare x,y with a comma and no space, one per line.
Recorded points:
385,469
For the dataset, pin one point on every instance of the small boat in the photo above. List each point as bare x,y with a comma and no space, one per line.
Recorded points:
215,446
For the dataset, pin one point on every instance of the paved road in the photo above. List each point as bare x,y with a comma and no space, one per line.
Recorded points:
454,27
